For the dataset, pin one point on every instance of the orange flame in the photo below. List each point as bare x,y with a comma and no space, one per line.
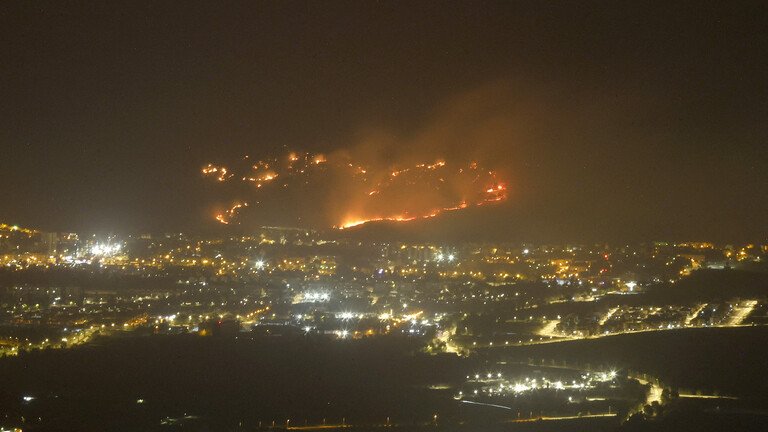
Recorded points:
379,196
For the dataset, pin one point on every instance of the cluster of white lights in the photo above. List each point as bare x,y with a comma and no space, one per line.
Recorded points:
105,249
529,384
316,297
442,257
605,376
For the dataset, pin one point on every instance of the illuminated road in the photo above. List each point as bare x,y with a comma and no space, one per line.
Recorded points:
74,339
486,404
607,316
445,336
741,312
541,418
560,338
695,396
694,314
548,330
80,338
586,416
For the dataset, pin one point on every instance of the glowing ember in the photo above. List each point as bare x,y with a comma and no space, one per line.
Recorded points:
228,215
352,194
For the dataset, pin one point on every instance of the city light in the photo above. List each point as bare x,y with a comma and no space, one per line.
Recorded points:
105,249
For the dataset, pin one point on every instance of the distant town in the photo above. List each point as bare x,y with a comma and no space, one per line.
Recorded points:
62,290
281,280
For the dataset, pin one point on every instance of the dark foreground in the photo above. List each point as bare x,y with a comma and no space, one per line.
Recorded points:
240,383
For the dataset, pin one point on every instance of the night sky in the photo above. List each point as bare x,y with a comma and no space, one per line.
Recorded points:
612,120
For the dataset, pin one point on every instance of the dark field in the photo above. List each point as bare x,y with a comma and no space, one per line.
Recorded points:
227,382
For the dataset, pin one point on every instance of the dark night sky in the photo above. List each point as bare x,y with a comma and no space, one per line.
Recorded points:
629,119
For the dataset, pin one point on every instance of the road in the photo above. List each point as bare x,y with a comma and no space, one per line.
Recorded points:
607,316
446,336
694,314
741,312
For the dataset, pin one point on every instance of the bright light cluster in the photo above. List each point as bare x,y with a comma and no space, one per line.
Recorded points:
495,384
316,297
105,249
